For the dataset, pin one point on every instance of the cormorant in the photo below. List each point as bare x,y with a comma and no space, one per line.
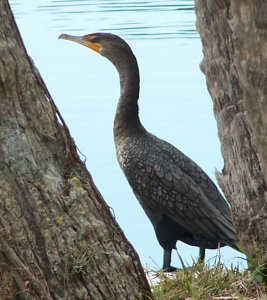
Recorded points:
178,197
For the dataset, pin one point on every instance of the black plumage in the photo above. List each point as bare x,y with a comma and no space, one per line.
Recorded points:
178,197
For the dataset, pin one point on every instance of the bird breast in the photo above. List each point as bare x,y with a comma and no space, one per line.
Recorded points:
128,150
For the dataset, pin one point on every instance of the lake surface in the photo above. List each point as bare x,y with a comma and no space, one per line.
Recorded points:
174,103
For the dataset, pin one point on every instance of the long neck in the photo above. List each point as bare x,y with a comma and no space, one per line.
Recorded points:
126,118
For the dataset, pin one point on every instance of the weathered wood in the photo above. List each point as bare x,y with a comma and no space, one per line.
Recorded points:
234,39
58,238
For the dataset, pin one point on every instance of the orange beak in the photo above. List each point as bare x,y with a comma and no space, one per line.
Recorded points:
85,40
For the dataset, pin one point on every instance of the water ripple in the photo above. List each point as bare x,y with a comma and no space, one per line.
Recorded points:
134,20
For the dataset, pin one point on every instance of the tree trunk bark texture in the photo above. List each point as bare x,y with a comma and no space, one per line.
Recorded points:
234,40
58,239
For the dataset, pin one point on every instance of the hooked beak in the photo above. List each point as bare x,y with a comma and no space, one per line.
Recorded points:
85,40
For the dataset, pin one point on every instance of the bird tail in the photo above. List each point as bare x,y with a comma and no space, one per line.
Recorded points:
235,245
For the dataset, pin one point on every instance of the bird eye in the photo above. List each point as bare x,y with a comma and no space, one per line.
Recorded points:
94,39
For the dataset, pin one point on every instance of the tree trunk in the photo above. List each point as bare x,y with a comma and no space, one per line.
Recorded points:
58,239
234,39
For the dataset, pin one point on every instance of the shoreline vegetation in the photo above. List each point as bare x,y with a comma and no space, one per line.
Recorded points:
204,281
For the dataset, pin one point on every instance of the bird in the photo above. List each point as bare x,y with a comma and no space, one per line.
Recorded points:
179,198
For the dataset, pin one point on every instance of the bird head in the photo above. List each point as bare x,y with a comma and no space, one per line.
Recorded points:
106,44
90,40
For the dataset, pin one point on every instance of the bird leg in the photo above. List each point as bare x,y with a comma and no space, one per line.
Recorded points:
167,261
201,257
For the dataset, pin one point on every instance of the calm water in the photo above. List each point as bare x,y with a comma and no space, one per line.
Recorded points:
174,103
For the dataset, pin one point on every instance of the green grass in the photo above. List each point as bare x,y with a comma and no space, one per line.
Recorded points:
210,282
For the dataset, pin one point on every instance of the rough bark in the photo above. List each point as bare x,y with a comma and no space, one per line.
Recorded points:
58,239
234,39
